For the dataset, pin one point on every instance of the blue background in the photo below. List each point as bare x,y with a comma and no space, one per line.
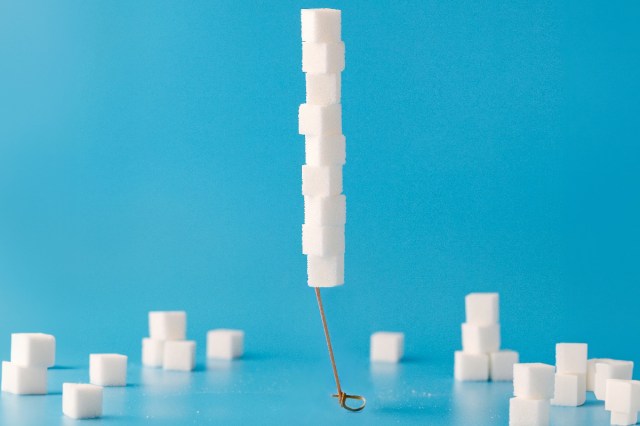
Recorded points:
149,159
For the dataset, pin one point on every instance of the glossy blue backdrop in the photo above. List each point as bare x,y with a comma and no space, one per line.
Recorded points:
149,159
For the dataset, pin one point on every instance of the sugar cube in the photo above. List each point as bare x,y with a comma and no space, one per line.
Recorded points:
471,367
325,211
529,412
225,343
501,365
387,346
533,380
81,400
591,372
622,396
22,380
179,355
571,358
322,58
33,349
325,271
624,419
152,352
610,369
108,369
321,181
321,25
323,89
168,325
325,150
482,308
323,240
480,338
570,390
320,120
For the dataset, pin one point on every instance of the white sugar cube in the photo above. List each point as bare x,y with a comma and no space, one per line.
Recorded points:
623,396
33,349
471,367
480,338
320,120
321,25
81,400
501,365
571,358
533,380
321,181
610,369
387,346
325,271
325,211
168,325
179,355
591,372
152,352
323,240
108,369
482,308
624,419
225,343
21,380
323,89
325,150
529,412
570,390
322,58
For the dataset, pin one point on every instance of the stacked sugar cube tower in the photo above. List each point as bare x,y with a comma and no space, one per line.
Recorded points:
320,121
166,345
31,355
481,358
610,380
570,389
533,387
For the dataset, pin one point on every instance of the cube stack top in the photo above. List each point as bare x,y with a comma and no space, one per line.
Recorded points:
482,308
33,349
533,380
321,25
571,358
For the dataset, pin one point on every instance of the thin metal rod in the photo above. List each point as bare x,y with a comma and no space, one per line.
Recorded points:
342,397
326,335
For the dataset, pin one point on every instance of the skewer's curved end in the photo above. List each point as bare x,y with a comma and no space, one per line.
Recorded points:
342,400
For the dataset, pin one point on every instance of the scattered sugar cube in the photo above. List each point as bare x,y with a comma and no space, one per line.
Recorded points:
81,400
570,389
225,343
623,396
179,355
591,372
529,412
320,120
610,369
480,338
323,240
533,380
321,181
168,325
33,349
325,271
152,352
21,380
325,211
322,58
571,358
501,365
387,346
108,369
624,419
325,150
482,308
471,367
321,25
